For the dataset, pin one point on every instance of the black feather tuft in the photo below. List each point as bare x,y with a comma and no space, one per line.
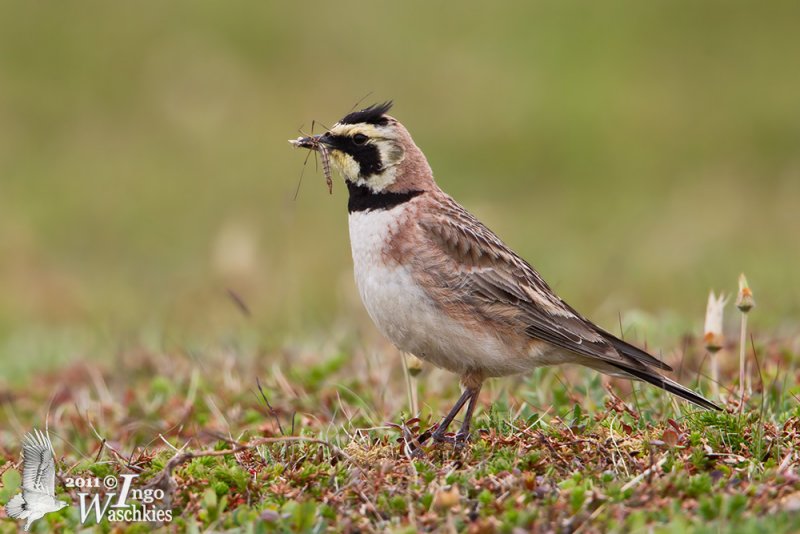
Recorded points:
371,115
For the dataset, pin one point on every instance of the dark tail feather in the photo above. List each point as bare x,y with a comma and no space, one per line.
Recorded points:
665,383
635,353
16,506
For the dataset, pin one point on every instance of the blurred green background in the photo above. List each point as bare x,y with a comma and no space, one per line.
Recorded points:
637,153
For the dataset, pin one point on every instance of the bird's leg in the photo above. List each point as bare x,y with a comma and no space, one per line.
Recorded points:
472,383
439,433
463,432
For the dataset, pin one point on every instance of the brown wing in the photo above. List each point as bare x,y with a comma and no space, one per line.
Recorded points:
501,287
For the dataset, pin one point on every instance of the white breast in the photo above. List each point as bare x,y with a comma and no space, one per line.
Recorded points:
406,315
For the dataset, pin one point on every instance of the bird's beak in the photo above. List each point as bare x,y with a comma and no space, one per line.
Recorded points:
311,142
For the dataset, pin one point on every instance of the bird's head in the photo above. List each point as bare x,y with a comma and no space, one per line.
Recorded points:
372,149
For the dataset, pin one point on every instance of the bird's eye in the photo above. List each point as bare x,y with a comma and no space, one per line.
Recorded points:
360,139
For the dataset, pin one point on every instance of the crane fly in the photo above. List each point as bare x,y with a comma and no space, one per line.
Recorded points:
312,142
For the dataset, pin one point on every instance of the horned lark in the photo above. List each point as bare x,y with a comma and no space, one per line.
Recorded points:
442,286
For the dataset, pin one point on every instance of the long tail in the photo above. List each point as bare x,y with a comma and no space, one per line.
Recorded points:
16,506
640,368
651,377
634,352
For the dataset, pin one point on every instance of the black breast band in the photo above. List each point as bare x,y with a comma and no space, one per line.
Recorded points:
362,198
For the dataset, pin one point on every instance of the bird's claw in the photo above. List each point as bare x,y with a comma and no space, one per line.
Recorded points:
459,440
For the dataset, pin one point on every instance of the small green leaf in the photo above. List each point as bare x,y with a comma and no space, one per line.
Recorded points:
210,499
11,480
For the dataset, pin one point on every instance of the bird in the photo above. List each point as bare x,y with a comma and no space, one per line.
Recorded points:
439,284
38,481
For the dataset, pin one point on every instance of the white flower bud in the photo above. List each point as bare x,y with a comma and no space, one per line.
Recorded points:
744,301
712,333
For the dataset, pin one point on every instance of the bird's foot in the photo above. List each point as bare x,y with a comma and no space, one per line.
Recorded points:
458,440
442,437
436,435
415,453
462,438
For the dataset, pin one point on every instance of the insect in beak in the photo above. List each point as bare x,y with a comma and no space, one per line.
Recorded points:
318,144
311,142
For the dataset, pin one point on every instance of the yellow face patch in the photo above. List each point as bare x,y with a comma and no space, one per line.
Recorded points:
345,164
370,163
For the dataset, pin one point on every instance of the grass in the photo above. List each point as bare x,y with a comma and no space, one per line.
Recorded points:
314,438
636,153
